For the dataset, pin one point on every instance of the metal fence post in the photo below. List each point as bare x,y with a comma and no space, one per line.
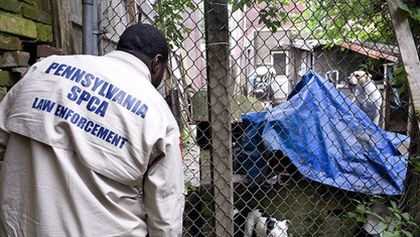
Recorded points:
217,48
88,41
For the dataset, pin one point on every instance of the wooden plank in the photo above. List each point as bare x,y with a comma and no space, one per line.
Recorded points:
411,62
219,80
408,52
61,13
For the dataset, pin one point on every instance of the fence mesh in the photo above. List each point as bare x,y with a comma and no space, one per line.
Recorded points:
301,115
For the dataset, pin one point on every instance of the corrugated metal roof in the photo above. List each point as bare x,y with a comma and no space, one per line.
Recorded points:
372,52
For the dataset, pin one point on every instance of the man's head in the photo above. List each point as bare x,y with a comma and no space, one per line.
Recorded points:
149,45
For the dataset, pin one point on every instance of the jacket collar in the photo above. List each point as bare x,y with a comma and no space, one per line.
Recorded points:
130,60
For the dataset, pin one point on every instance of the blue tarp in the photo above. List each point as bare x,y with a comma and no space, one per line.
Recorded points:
329,139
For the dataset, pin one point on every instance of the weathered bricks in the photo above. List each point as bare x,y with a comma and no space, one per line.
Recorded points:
11,5
44,33
23,26
36,14
8,78
44,50
14,59
8,42
17,25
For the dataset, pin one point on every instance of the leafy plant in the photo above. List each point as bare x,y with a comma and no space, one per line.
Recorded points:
344,20
395,224
414,13
190,187
362,209
402,221
415,162
412,10
400,79
271,14
169,19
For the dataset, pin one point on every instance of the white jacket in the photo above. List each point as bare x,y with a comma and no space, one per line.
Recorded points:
84,134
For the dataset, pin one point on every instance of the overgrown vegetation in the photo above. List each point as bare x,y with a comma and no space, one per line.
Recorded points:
169,19
271,13
336,21
400,80
415,162
412,10
395,223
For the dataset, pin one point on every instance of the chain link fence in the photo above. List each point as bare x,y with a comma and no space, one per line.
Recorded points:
295,110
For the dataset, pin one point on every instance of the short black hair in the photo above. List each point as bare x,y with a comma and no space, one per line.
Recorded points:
143,40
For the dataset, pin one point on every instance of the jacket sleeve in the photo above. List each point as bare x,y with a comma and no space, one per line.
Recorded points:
164,188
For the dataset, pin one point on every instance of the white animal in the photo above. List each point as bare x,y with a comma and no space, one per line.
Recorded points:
366,94
259,226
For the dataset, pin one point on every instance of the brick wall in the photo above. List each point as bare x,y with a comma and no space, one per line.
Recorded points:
26,35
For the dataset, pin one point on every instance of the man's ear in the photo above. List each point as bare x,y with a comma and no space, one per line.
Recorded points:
155,64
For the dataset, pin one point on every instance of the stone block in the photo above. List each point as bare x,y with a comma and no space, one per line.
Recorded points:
14,59
44,33
36,14
8,42
21,70
17,25
44,50
8,79
11,5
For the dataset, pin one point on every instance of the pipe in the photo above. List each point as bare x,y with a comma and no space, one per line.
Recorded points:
88,40
96,31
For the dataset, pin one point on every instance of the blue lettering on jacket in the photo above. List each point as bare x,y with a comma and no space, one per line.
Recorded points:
91,127
43,104
100,87
93,103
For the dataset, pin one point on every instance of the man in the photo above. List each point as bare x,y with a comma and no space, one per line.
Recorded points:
92,147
